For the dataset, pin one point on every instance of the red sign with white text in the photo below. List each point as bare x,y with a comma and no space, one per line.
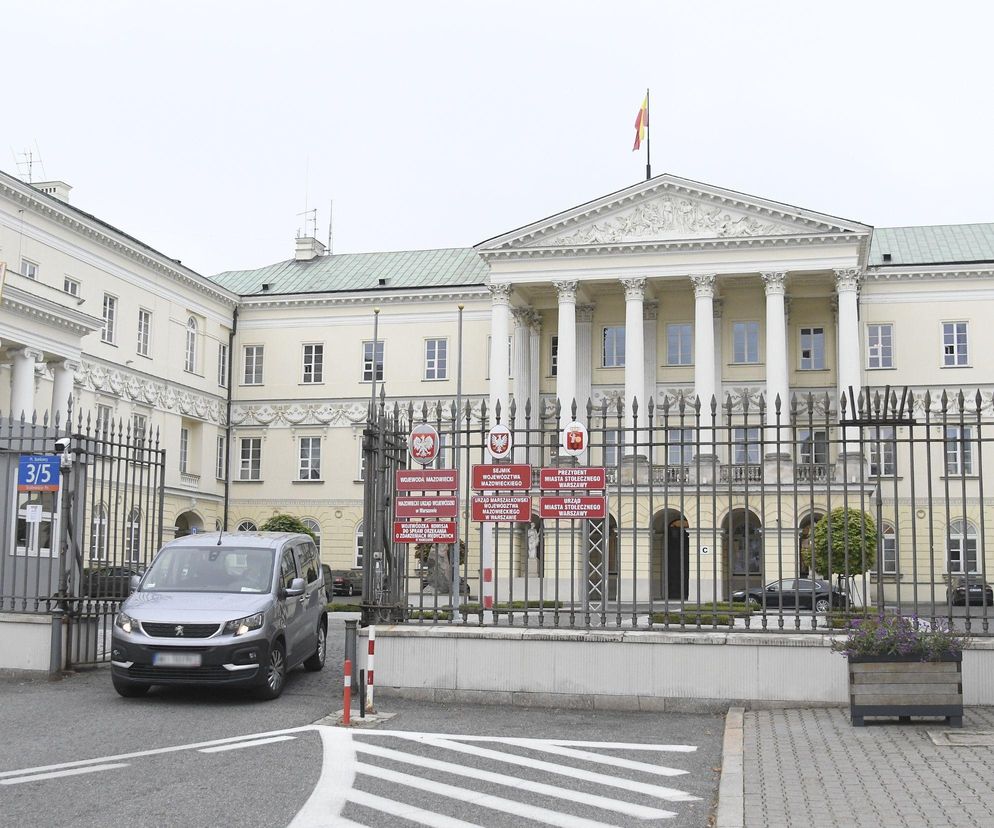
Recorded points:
426,507
572,508
502,508
431,480
427,531
572,478
508,478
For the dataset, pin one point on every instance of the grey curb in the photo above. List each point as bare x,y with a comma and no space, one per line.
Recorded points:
731,796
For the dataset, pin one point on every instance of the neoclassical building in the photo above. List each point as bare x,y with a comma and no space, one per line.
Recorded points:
669,289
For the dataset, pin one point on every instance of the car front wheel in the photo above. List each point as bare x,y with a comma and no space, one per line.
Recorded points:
823,605
274,676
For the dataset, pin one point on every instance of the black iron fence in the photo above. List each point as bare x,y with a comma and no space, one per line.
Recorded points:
73,546
731,516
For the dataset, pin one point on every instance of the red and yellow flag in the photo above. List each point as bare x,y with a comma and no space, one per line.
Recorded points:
641,123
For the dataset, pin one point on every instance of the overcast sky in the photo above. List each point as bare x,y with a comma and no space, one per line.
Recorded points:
203,127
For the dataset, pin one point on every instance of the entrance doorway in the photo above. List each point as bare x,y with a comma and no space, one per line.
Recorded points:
670,561
188,523
742,541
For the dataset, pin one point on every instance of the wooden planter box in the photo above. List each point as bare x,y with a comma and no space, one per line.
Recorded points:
904,686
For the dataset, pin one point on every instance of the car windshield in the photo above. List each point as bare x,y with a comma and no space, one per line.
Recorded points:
210,569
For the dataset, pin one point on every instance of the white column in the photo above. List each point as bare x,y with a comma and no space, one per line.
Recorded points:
584,359
847,334
521,354
64,373
716,309
535,353
566,357
22,383
705,386
500,370
650,315
634,355
776,352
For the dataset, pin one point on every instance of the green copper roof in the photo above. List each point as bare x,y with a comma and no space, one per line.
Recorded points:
362,271
933,244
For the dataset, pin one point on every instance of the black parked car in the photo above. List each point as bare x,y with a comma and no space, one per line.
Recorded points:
108,581
970,589
342,581
791,593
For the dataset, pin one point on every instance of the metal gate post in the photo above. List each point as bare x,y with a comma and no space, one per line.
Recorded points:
351,644
55,655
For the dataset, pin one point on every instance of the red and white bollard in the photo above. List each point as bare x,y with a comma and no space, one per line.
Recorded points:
488,588
369,670
347,700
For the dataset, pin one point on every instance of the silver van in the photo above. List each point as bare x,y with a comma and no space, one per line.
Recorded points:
227,609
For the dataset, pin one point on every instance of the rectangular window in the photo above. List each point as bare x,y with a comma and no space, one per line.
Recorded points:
310,458
29,268
747,448
679,340
104,416
184,449
70,286
222,364
436,359
812,349
613,350
139,427
880,345
883,452
745,342
144,331
253,364
954,344
359,547
680,448
888,543
813,448
250,462
361,471
368,361
109,332
959,450
313,364
221,459
554,361
610,450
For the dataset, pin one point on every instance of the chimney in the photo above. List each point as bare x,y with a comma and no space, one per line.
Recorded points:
308,248
58,189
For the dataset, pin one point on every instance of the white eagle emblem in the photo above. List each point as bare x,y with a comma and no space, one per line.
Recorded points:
424,445
498,443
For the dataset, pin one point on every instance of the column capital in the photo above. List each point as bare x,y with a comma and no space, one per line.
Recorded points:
584,313
500,294
27,352
566,288
650,311
522,316
535,322
774,282
68,364
634,288
847,279
703,285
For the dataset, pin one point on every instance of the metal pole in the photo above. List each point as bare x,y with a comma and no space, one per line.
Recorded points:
351,643
376,334
347,695
456,588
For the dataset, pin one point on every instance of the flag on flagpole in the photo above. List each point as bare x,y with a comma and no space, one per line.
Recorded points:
642,123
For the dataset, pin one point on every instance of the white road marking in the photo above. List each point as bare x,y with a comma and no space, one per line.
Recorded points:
595,801
253,743
405,811
338,765
598,758
38,777
495,803
521,740
669,794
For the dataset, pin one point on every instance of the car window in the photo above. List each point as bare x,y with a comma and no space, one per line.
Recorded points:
288,569
788,585
307,558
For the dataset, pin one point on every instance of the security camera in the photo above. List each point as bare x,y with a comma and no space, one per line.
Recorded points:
62,444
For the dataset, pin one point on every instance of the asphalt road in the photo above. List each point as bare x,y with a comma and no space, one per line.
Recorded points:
219,758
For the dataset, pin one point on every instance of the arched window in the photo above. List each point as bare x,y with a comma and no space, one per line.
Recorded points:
360,546
191,345
247,526
962,546
888,549
133,536
315,529
98,534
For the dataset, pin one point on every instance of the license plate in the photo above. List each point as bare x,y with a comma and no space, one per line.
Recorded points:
176,659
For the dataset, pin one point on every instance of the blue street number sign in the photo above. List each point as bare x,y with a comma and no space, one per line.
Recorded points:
38,473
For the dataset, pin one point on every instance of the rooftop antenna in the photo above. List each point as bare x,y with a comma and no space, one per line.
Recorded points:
312,217
25,163
331,221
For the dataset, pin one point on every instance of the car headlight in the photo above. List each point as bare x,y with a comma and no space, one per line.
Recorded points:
125,622
240,626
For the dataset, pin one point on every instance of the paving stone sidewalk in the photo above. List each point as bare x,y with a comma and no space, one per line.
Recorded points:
811,768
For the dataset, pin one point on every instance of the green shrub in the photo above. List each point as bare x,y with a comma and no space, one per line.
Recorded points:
690,619
286,523
854,543
344,608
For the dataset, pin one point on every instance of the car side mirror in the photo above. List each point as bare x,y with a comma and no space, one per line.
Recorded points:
296,588
134,582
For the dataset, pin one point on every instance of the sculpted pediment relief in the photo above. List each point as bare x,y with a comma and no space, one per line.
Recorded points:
668,218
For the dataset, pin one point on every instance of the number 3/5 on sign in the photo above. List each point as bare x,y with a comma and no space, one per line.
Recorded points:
37,473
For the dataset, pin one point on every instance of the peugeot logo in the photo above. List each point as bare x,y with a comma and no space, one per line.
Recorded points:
179,630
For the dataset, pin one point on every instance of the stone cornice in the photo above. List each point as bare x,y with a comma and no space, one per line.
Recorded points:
363,298
24,303
923,274
91,228
293,413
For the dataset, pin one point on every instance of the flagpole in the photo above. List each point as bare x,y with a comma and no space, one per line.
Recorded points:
648,138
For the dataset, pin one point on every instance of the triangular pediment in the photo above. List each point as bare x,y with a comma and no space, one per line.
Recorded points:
670,209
